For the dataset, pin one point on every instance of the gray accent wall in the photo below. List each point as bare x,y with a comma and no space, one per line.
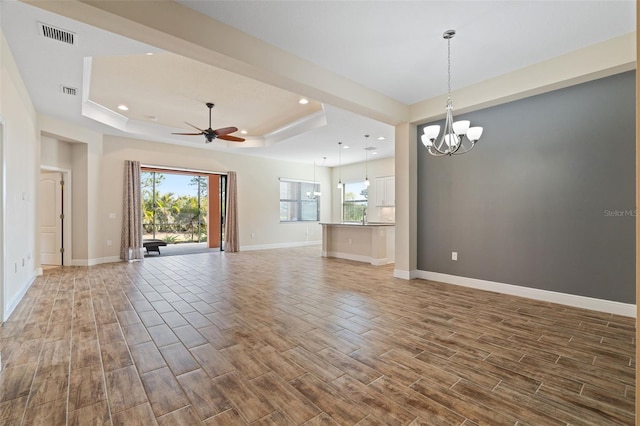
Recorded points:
545,200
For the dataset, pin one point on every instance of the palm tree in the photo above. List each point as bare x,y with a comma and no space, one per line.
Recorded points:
166,210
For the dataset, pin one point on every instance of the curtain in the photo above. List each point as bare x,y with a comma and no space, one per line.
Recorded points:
131,237
231,226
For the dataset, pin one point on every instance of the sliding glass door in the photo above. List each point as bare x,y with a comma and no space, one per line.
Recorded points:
183,207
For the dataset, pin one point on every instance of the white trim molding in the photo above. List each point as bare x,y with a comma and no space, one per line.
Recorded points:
357,257
609,306
279,245
13,303
405,275
96,261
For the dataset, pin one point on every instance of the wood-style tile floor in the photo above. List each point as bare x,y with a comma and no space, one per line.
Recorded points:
287,337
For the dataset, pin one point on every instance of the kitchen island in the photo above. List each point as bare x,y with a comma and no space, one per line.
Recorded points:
373,243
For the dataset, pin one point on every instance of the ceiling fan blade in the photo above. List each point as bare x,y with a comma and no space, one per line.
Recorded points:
188,134
230,138
225,131
197,128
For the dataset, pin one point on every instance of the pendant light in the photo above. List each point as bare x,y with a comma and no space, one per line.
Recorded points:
340,165
314,194
366,161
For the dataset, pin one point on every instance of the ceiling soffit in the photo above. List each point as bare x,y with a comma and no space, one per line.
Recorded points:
179,29
166,89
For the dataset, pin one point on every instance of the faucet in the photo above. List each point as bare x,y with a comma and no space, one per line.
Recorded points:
364,216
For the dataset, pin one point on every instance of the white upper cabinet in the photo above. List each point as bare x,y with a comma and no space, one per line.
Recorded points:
386,191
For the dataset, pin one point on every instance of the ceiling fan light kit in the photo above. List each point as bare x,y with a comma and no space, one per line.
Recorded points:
211,134
452,141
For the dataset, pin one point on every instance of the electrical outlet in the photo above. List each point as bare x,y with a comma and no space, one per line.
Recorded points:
253,235
454,255
109,243
112,215
349,241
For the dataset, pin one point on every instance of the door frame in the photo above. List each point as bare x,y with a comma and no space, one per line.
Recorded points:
67,239
3,227
195,172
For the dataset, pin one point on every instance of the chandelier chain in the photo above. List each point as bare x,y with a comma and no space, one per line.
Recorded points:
449,68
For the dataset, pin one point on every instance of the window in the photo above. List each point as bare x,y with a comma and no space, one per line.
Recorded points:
354,202
298,202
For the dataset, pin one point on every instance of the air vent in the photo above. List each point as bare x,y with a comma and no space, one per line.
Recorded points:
69,90
58,34
370,148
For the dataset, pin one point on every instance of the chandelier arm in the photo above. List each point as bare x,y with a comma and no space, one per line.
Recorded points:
436,153
463,151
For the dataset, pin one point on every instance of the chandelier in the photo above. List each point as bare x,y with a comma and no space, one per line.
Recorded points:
453,139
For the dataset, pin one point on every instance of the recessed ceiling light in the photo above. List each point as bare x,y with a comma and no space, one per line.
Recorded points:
345,147
244,132
381,138
149,53
303,101
123,108
374,153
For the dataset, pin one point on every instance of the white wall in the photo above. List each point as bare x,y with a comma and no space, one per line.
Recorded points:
68,146
22,170
258,190
55,153
356,173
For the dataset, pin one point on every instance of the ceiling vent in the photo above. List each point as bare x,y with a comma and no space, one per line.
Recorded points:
58,34
69,90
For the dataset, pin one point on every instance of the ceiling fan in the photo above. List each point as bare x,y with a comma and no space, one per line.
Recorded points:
211,134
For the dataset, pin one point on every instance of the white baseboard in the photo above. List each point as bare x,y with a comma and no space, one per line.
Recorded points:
609,306
347,256
95,261
279,245
11,305
405,275
357,258
110,259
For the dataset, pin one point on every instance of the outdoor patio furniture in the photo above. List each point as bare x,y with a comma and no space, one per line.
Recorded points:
153,245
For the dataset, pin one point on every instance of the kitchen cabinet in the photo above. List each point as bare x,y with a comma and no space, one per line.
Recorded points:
373,243
386,191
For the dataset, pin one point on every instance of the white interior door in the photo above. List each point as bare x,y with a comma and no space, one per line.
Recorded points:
50,219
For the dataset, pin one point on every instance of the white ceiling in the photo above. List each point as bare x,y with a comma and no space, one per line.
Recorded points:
396,47
393,47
